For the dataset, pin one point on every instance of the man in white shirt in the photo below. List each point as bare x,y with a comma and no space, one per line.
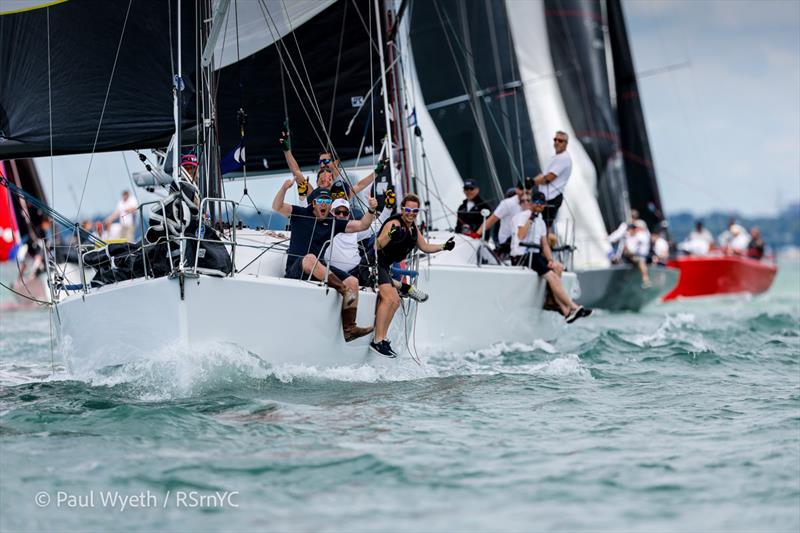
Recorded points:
530,227
553,180
504,213
635,247
659,248
126,213
344,253
698,242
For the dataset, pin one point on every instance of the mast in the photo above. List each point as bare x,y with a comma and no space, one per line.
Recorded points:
386,108
177,107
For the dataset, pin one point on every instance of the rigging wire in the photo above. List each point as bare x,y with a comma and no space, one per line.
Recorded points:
40,302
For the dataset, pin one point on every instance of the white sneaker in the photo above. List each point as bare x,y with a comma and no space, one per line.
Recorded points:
416,294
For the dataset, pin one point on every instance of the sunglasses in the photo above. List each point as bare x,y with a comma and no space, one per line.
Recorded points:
320,201
559,140
341,213
539,202
469,188
325,161
413,210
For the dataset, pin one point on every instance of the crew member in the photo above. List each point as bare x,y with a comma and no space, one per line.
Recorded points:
468,214
311,228
554,179
533,229
504,213
398,237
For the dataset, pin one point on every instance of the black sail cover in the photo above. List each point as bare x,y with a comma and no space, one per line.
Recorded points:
641,175
336,38
83,39
464,54
575,34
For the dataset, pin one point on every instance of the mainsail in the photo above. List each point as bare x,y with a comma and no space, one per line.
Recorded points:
470,80
578,48
643,190
322,76
105,84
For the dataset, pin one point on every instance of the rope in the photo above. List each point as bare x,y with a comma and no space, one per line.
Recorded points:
40,302
103,112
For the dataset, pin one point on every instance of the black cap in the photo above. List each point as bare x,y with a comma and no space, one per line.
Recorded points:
338,185
319,193
470,184
538,196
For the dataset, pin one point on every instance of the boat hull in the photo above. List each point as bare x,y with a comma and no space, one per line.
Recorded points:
708,276
619,287
279,320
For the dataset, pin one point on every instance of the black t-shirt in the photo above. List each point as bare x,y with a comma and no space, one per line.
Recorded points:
310,233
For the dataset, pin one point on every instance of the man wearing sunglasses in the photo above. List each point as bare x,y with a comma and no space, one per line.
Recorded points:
468,214
398,237
312,226
530,227
344,253
553,180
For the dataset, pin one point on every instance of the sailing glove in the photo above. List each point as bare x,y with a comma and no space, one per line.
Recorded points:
284,139
302,188
389,198
449,244
381,166
394,233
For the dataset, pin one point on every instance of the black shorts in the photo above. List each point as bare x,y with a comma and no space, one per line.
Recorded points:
537,261
551,210
384,275
295,270
363,274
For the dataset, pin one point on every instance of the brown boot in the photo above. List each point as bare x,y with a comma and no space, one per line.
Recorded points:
349,328
348,296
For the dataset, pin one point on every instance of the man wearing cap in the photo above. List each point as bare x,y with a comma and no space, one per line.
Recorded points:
312,226
530,227
504,213
468,214
553,180
344,253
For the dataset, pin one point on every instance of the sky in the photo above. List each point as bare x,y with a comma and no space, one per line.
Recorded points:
724,127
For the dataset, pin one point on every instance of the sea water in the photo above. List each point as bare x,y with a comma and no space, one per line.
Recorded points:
683,417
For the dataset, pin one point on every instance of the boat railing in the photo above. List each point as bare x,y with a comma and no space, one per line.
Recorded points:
205,204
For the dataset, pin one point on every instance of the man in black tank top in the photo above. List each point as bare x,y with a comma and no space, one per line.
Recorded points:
398,237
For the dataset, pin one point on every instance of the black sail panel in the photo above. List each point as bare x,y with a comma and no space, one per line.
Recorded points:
641,175
255,85
84,36
575,33
467,70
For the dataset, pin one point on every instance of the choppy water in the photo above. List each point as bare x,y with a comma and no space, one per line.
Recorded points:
684,417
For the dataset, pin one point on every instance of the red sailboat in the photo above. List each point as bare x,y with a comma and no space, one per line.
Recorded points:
721,274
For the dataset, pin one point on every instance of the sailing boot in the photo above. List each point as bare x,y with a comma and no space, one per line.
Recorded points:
349,328
348,297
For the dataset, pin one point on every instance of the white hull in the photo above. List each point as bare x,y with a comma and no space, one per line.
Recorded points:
279,320
283,321
473,307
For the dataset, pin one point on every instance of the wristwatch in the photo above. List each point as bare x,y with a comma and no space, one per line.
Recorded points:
371,211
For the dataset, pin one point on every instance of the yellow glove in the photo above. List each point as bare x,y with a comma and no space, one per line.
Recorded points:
390,198
302,188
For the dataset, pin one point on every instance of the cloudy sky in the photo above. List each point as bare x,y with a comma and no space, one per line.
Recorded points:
724,127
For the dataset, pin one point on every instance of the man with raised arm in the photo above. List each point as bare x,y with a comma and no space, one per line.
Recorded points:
312,226
398,237
328,171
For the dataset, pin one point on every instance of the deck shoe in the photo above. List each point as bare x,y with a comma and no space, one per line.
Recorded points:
382,348
584,312
416,294
574,314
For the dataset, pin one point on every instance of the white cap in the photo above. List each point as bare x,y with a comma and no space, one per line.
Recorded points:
641,224
340,202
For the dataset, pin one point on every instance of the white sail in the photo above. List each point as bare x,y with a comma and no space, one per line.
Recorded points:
548,114
260,23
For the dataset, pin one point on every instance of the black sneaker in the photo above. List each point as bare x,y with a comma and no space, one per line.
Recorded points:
583,312
574,315
383,348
